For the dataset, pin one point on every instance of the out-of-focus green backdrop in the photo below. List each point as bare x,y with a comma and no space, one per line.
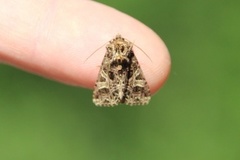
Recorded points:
195,116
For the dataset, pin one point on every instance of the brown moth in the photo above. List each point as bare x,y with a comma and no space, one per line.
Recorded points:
120,79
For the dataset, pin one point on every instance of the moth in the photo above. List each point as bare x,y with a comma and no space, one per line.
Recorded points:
120,79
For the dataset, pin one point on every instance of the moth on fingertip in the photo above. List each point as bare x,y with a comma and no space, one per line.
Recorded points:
120,79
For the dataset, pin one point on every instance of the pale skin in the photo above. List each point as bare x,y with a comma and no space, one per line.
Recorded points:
54,38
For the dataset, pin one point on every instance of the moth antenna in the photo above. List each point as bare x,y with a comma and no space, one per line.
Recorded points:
95,51
143,52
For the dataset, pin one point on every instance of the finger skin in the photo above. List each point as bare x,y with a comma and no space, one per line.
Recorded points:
54,38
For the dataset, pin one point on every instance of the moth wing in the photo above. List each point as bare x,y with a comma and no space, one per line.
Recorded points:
103,89
138,92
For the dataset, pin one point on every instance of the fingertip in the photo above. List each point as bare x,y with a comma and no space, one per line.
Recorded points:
57,45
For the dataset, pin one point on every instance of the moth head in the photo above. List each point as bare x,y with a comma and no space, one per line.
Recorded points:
119,47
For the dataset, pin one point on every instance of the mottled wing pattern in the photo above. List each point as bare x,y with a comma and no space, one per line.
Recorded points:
120,78
103,94
138,92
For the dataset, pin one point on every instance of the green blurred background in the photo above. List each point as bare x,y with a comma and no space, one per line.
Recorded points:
195,116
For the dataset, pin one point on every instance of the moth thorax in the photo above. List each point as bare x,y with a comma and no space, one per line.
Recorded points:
121,47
